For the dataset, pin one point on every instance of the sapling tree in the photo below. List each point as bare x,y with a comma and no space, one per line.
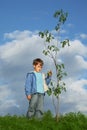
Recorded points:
52,46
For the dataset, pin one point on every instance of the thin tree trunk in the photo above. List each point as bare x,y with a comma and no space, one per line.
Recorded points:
57,115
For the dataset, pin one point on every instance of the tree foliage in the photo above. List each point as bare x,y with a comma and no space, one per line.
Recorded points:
52,47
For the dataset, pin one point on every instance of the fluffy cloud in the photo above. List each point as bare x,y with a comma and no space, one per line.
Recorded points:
83,36
16,57
74,58
75,96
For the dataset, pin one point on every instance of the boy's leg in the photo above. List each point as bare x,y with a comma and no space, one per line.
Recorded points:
39,107
32,106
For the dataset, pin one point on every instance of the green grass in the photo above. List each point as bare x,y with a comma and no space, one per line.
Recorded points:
69,121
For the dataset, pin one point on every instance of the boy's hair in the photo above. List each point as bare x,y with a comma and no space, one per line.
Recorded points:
38,60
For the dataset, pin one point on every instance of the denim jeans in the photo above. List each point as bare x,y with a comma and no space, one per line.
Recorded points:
36,106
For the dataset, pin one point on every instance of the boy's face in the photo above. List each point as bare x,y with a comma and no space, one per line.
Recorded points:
38,67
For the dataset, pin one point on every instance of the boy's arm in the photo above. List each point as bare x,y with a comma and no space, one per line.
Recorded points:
28,86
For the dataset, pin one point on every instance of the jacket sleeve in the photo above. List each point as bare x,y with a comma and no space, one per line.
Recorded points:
48,79
28,84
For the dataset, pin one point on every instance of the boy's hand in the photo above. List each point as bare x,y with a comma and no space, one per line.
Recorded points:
29,97
49,73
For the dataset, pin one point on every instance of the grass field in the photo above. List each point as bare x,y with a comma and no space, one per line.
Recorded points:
69,121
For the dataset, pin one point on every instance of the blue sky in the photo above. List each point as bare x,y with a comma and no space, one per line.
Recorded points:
20,22
38,15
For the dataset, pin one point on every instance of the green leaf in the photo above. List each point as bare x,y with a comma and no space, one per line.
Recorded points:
49,92
41,34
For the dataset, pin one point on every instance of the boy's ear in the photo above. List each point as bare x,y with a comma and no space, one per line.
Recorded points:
34,66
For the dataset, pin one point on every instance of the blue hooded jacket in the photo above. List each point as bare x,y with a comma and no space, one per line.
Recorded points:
30,84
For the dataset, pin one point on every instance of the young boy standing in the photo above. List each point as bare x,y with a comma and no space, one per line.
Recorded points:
35,87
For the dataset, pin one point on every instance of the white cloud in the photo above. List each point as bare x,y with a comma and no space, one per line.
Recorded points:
81,62
70,25
7,99
16,60
76,47
83,36
76,95
18,35
74,58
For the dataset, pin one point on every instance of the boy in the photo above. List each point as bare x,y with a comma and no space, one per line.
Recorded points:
35,87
